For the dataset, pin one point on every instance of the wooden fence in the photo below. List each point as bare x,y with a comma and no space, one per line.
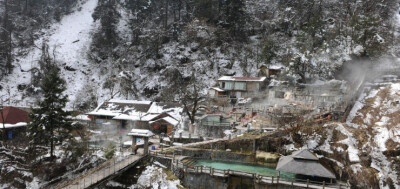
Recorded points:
259,178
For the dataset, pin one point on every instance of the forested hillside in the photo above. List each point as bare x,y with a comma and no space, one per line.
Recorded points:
141,48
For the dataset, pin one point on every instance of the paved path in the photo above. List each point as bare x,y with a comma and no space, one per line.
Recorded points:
103,171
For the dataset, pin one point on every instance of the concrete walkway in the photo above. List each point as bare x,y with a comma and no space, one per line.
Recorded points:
103,171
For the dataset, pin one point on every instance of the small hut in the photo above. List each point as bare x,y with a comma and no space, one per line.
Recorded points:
303,162
141,133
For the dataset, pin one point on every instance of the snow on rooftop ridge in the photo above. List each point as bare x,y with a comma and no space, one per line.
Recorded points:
130,101
141,132
275,67
170,120
20,124
217,89
234,78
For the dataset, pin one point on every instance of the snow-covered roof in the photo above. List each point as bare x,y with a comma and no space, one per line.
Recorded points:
81,117
160,107
217,89
130,101
140,132
8,126
134,110
273,66
168,119
135,116
115,107
232,78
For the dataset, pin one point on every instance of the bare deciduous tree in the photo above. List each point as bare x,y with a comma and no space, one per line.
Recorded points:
190,96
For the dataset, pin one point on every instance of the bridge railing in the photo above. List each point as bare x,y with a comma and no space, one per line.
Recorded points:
100,172
160,154
259,178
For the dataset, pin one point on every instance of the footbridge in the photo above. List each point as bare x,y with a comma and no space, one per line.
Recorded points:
104,172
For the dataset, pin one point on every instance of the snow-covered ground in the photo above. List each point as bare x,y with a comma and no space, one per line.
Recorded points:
68,41
154,177
377,115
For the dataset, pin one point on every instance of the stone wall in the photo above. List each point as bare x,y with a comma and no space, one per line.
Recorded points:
166,161
206,181
186,140
211,131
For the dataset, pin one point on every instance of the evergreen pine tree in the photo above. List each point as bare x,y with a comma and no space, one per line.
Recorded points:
49,123
107,37
235,18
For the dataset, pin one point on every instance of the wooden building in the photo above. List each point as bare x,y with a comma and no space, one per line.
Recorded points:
124,115
270,70
241,86
14,120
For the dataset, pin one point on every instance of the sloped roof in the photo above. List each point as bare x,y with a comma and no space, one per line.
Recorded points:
140,133
233,78
14,115
160,107
115,107
304,154
303,162
217,89
273,66
168,119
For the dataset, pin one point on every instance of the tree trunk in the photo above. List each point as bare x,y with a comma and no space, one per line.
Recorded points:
9,56
51,147
26,7
179,10
166,14
6,28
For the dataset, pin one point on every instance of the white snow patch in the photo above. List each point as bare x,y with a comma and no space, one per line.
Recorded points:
381,136
351,142
69,40
154,177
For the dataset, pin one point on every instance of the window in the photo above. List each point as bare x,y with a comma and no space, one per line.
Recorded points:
228,85
240,86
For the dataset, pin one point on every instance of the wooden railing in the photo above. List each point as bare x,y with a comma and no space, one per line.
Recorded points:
100,172
259,178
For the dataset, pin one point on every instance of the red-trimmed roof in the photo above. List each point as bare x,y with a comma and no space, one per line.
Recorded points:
13,115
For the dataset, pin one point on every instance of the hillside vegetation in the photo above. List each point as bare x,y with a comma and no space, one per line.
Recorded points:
140,48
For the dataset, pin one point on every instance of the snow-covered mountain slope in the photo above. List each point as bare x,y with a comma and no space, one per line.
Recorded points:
68,41
150,55
365,149
377,125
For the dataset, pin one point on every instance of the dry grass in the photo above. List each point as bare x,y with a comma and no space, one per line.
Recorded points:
391,145
394,118
338,136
